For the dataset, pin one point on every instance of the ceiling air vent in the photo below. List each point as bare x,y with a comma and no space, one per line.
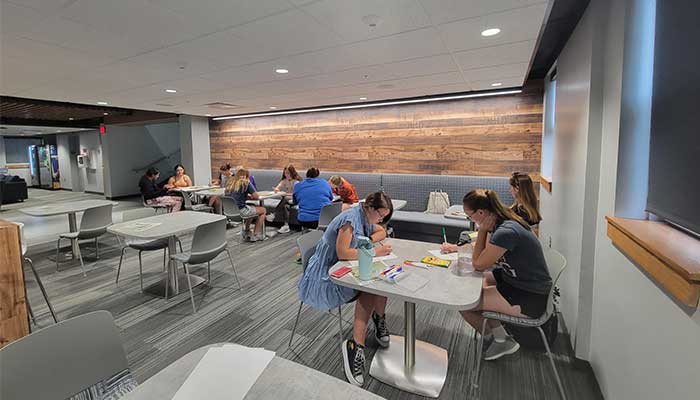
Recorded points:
164,104
221,106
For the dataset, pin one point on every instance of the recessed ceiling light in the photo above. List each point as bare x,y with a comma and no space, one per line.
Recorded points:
363,98
496,84
59,131
208,115
273,108
282,70
70,119
490,32
105,113
171,90
102,103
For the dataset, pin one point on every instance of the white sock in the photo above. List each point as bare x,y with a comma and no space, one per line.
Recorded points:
499,334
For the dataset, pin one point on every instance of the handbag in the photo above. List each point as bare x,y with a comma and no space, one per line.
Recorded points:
438,202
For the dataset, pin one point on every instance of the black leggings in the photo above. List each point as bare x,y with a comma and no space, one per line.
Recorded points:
309,224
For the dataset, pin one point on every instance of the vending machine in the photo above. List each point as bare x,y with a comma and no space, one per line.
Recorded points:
43,166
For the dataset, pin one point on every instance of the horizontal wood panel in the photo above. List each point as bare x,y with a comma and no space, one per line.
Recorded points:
491,136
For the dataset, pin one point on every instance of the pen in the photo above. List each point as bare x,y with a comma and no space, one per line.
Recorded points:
444,235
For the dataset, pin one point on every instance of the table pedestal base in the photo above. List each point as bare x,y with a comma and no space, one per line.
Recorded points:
425,378
158,288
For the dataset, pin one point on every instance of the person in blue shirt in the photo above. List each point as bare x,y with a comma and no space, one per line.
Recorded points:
311,195
339,242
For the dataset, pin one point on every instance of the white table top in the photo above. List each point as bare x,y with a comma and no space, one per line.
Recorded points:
197,188
398,204
65,208
444,289
216,191
266,194
171,224
281,379
455,212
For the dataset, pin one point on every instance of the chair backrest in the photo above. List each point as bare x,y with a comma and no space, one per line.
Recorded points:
328,212
556,264
137,213
230,208
307,245
208,241
62,359
96,219
186,200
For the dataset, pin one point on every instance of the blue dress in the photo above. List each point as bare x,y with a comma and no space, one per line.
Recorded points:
315,286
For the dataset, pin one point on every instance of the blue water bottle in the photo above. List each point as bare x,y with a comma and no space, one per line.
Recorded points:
365,253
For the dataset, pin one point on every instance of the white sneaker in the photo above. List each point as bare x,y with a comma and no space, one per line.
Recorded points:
270,217
283,229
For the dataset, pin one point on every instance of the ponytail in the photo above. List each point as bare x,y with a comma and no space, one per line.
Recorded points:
239,183
486,199
526,199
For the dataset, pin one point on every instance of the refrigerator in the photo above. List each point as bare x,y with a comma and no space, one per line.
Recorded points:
43,166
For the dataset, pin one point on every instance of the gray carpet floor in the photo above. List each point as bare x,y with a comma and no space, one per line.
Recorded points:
261,314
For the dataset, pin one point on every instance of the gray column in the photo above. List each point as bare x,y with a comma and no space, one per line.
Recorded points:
194,148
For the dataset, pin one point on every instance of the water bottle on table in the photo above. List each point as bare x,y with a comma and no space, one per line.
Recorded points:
365,253
464,261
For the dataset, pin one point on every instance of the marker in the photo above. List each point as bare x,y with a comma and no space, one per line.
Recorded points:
416,264
444,234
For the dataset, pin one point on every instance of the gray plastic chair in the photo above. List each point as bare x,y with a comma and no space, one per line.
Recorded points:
187,204
328,212
63,359
36,277
556,264
142,245
93,224
155,207
232,213
208,242
307,246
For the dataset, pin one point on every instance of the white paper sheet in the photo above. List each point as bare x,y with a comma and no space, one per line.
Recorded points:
412,282
391,256
448,256
225,373
143,226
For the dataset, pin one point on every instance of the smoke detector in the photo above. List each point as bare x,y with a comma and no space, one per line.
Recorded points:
371,20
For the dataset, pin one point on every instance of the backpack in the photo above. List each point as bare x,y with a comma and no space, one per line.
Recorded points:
438,203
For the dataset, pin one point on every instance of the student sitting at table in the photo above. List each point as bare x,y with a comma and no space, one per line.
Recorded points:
311,195
240,190
345,190
155,195
339,242
180,179
251,178
290,177
519,283
525,204
225,172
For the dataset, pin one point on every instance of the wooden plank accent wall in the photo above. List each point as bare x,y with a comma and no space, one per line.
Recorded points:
14,323
488,136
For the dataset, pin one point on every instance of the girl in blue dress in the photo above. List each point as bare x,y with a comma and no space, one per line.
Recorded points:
339,242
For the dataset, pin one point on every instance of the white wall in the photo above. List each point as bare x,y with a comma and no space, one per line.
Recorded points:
641,344
63,149
131,148
93,175
196,152
2,152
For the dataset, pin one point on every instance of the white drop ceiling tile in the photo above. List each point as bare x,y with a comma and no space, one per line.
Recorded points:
443,11
220,14
17,76
497,72
60,59
505,83
18,20
407,83
174,62
44,6
496,55
284,34
350,18
263,72
136,21
303,2
516,25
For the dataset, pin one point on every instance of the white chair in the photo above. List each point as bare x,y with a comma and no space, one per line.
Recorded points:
208,242
232,213
187,204
63,359
36,277
328,212
307,246
93,224
142,245
556,264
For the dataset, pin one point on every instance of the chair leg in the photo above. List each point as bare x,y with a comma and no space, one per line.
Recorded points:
189,285
80,256
58,250
551,361
97,249
119,268
165,259
340,323
140,271
31,313
294,329
41,287
479,349
208,273
234,268
180,243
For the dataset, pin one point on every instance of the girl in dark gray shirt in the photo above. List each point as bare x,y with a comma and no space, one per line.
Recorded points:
519,283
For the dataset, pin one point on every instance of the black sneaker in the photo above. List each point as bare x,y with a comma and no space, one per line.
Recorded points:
381,332
354,362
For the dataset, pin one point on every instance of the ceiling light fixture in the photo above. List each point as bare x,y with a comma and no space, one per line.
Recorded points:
282,70
105,113
377,104
171,90
490,32
102,103
70,119
273,108
363,98
496,84
207,115
58,131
